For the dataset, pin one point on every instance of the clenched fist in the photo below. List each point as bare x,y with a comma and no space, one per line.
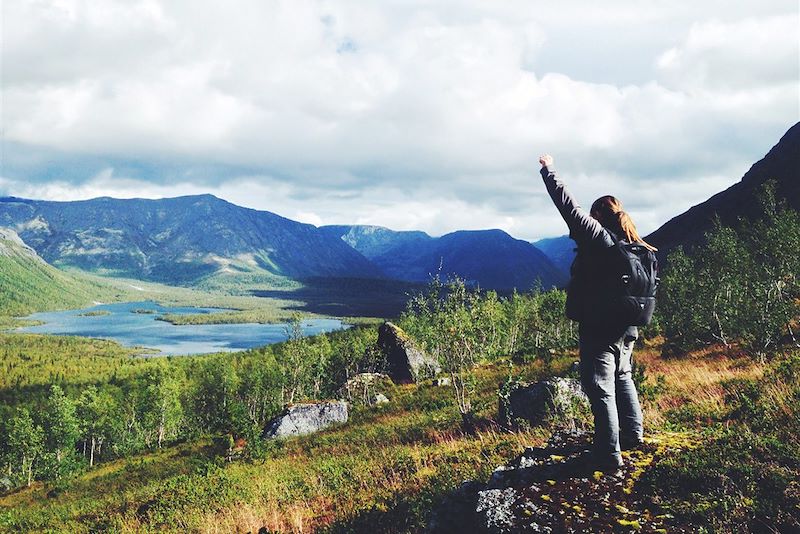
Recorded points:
546,160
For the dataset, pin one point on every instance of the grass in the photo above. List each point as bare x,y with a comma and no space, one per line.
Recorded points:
29,285
695,381
390,465
342,297
264,302
387,465
745,476
355,300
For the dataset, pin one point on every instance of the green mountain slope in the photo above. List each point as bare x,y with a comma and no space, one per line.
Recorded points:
29,284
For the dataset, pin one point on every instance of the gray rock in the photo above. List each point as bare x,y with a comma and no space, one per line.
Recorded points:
365,379
554,488
364,388
380,398
560,401
442,381
406,362
306,418
496,508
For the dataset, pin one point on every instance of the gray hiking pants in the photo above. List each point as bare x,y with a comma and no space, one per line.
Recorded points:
606,378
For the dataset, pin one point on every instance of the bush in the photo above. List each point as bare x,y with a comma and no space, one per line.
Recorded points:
742,285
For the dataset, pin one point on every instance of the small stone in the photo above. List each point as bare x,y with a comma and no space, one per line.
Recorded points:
496,506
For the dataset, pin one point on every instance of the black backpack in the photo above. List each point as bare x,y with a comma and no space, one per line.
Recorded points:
613,285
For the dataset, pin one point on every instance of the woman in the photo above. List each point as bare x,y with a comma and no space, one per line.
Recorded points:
606,345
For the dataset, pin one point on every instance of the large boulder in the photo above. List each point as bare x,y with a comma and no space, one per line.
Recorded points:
406,363
306,418
559,401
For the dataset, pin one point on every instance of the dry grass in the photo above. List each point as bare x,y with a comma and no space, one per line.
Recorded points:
697,377
378,459
276,512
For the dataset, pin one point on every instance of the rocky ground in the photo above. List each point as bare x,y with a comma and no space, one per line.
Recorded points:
555,489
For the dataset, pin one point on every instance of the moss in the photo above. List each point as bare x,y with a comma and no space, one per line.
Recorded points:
635,525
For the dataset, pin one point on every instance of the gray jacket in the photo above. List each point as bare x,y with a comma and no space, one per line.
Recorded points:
585,230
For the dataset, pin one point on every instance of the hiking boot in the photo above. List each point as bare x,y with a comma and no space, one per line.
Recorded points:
630,443
607,464
590,462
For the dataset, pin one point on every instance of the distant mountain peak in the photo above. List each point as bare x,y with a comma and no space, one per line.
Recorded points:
490,258
13,199
559,250
179,240
781,163
490,233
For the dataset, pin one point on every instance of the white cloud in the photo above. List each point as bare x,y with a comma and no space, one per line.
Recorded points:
735,56
407,114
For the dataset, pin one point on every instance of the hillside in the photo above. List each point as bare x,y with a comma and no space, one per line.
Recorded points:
391,466
28,283
178,240
375,241
721,452
491,258
782,164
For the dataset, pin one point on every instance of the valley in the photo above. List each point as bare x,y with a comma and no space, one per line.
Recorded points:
96,437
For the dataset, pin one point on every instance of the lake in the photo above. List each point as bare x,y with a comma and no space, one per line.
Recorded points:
136,324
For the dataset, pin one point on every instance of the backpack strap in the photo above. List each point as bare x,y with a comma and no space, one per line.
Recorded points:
614,236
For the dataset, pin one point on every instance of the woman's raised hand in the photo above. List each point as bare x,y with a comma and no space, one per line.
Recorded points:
546,160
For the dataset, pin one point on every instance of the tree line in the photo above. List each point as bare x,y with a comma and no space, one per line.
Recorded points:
741,287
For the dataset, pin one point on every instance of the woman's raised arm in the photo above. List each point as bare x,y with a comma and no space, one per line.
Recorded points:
582,226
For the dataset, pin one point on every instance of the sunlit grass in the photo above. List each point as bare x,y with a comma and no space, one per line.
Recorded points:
385,469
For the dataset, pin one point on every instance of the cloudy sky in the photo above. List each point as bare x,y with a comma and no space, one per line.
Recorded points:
403,113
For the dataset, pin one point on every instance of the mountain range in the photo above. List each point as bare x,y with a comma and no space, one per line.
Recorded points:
489,258
193,239
198,240
178,240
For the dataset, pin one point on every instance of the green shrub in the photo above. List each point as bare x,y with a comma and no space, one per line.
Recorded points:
741,286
